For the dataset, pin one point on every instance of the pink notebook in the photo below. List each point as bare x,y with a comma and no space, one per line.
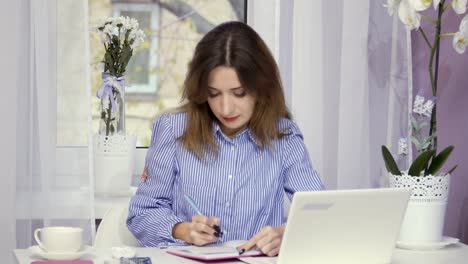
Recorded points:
216,252
62,262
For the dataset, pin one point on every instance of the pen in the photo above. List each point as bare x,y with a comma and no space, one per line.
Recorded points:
194,206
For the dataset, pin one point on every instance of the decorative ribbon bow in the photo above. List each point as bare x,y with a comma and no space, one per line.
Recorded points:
108,84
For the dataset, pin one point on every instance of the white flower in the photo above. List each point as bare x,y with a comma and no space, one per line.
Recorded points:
403,146
459,6
104,37
460,40
427,108
137,36
109,20
111,28
125,25
436,4
392,6
423,107
118,20
108,29
133,23
418,106
420,5
408,15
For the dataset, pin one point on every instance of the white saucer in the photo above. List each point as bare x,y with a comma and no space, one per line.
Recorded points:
37,251
446,241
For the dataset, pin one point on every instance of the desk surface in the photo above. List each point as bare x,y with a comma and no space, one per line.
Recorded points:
455,254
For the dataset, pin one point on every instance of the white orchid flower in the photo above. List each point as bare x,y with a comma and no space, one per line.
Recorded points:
408,15
418,106
392,6
420,5
403,146
427,108
460,40
459,6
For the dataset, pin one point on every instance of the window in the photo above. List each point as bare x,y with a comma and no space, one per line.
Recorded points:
157,69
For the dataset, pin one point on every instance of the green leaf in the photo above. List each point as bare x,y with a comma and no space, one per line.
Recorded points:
420,162
416,142
427,143
390,163
423,124
414,123
439,160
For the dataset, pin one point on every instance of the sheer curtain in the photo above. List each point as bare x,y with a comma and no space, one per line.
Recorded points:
53,186
345,70
9,65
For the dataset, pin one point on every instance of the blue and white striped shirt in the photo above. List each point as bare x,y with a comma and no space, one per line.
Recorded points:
244,185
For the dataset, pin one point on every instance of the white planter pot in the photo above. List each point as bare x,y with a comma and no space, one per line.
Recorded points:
424,217
113,164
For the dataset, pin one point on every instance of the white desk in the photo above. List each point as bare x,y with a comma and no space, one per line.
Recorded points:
455,254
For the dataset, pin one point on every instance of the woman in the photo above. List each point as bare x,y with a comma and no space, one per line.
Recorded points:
232,148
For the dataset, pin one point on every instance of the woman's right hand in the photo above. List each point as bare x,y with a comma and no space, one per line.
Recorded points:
198,232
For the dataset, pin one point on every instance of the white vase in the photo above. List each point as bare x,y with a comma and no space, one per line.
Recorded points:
424,217
113,164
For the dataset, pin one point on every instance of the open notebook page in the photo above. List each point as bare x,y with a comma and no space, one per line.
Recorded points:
212,252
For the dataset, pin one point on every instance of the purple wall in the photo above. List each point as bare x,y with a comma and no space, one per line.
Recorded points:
452,115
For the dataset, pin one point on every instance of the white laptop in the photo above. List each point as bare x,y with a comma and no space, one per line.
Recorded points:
343,226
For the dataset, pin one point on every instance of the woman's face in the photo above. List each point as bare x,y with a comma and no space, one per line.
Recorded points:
229,101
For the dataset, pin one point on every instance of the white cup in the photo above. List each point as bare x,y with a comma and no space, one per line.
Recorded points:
59,238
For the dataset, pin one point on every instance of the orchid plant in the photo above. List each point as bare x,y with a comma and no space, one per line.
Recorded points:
120,36
428,161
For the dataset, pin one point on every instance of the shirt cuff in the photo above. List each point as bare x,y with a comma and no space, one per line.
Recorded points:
166,232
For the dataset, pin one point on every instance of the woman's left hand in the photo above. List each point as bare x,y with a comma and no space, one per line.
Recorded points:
268,240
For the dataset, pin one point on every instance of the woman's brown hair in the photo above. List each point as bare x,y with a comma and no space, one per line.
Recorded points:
236,45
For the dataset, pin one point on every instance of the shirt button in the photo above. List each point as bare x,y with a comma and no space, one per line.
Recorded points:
228,204
230,177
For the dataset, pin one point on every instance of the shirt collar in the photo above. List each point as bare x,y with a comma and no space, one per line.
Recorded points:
247,131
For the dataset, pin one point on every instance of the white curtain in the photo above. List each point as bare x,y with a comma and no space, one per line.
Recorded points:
346,81
53,183
9,73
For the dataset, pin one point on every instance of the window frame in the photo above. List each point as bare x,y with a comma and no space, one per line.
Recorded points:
149,91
